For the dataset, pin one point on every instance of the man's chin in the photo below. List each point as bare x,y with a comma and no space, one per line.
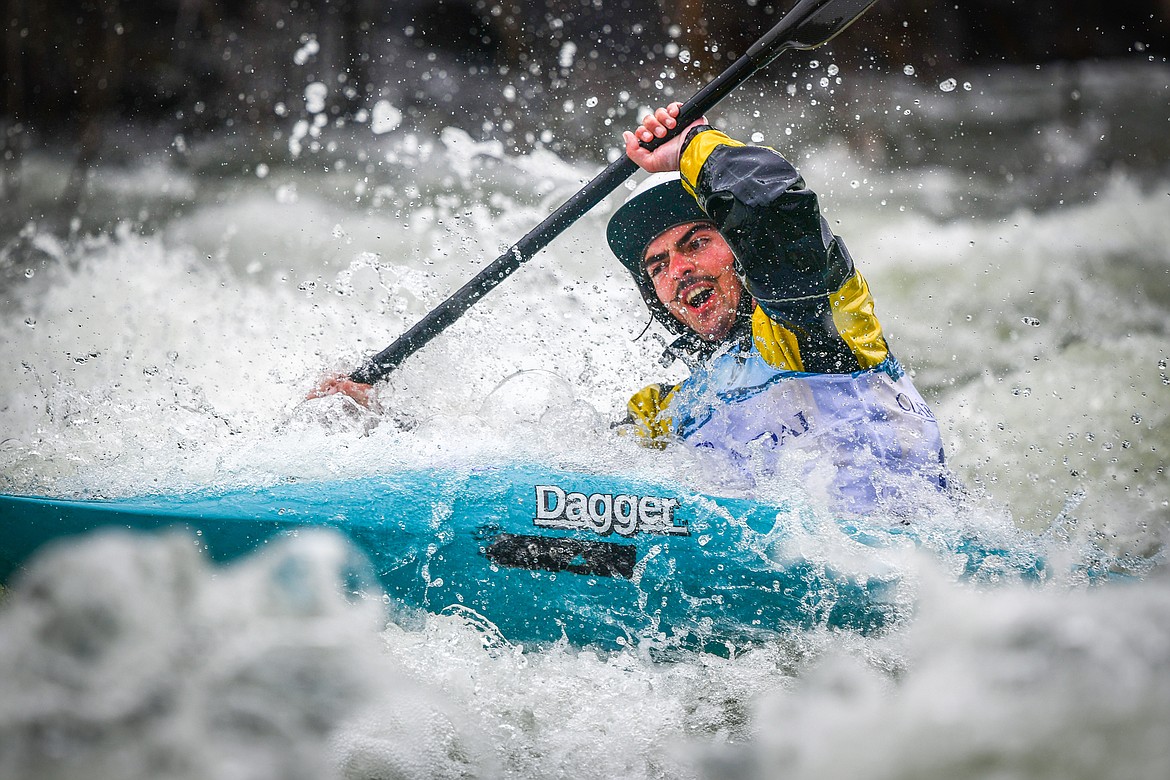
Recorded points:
711,332
706,329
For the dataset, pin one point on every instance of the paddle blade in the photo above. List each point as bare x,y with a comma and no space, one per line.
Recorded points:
826,21
809,24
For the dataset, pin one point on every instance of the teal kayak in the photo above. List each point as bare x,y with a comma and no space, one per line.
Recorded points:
542,555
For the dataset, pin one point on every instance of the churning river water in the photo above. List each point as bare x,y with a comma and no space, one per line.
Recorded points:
1014,230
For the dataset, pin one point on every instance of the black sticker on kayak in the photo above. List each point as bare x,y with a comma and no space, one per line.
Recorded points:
600,559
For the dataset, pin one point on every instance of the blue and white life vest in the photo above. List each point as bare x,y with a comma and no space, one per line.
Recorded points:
861,433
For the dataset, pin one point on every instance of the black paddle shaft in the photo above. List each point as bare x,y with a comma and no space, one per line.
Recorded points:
810,24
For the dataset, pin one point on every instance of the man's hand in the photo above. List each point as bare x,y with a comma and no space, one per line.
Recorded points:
656,125
362,393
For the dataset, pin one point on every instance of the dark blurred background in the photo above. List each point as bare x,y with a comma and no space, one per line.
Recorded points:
78,75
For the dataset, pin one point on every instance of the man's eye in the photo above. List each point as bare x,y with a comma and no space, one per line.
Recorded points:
698,242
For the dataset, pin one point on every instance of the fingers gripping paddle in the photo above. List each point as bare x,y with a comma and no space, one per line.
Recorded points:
808,25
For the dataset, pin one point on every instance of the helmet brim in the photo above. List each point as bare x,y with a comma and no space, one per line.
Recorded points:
645,216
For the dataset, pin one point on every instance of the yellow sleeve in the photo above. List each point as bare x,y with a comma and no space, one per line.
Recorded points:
697,152
854,320
857,323
646,409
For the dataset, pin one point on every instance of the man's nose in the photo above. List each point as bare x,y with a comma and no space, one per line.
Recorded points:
681,264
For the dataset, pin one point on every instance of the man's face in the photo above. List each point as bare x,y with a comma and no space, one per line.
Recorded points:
690,267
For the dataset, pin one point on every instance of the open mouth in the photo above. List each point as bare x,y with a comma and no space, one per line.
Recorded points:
697,295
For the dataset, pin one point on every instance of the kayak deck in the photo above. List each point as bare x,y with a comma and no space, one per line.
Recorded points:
542,554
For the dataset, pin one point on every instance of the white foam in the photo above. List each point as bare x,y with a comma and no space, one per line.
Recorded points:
181,357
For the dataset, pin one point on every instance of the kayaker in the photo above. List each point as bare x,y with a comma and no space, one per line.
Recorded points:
730,252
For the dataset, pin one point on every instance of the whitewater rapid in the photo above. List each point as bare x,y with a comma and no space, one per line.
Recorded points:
173,348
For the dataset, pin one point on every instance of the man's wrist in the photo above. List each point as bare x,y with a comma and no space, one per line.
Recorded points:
694,131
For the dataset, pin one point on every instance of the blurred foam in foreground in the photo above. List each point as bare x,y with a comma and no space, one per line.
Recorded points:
132,657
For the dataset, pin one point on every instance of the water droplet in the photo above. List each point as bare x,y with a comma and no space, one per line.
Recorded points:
306,51
757,138
30,322
967,86
814,64
1035,323
948,85
29,273
591,102
855,184
908,70
833,70
315,95
1137,418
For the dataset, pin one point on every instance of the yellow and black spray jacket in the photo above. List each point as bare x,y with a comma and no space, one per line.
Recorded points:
814,313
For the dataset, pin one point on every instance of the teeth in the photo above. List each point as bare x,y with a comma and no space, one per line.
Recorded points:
695,294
